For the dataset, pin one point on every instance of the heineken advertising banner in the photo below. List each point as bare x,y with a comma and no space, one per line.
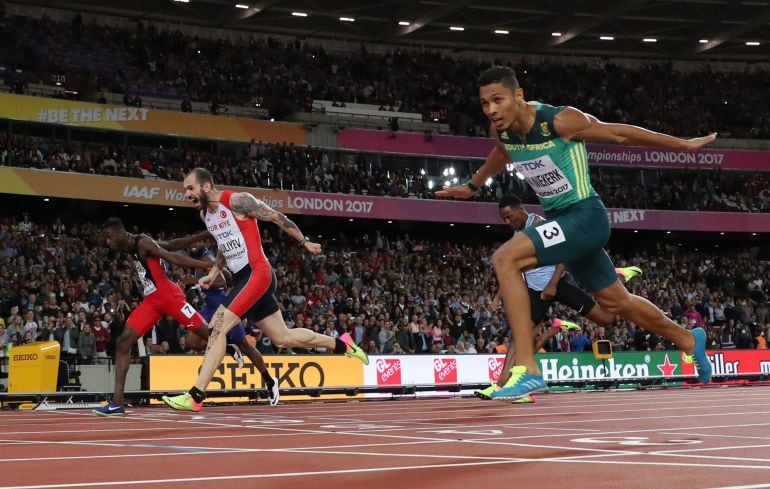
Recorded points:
176,372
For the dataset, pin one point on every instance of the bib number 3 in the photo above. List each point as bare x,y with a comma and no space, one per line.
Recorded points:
551,234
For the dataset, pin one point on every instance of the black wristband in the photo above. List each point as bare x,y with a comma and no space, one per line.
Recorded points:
472,185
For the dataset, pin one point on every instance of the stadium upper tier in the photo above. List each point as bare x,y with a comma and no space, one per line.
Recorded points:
286,77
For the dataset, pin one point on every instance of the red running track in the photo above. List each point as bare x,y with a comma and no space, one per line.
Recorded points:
683,438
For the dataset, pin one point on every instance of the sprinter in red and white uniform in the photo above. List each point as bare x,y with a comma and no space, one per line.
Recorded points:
231,218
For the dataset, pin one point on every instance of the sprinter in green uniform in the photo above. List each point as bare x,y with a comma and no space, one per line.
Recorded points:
546,145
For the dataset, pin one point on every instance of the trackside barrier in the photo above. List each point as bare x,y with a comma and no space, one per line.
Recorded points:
310,377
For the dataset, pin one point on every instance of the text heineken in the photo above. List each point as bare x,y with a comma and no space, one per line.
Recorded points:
613,370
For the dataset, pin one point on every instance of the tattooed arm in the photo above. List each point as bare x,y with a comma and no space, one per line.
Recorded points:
246,204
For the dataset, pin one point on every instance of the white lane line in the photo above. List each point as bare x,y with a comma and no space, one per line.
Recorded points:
711,435
380,469
755,486
264,476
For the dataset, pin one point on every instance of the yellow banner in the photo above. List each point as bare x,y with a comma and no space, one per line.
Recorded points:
25,181
137,119
179,372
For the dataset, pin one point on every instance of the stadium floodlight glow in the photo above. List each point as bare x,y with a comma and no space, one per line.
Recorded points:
488,182
347,19
703,41
606,38
447,183
454,180
299,14
241,5
456,28
649,39
752,43
431,184
403,22
501,31
556,34
182,1
422,171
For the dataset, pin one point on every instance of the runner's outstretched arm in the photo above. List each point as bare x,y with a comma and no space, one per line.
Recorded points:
182,243
248,205
153,248
572,123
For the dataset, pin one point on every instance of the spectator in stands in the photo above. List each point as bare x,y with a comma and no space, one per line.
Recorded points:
102,338
86,345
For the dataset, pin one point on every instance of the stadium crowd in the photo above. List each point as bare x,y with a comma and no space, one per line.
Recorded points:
291,167
393,293
287,76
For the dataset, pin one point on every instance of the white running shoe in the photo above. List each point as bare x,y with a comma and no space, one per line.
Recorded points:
237,355
273,394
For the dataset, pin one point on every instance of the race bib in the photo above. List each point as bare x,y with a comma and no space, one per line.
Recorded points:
551,234
545,178
188,310
148,286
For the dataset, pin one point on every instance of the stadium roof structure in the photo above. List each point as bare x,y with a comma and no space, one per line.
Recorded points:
657,29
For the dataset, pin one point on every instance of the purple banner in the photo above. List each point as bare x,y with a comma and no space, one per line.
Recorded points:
355,206
413,143
608,155
598,154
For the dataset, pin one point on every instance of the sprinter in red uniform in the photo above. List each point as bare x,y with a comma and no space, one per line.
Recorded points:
232,219
162,297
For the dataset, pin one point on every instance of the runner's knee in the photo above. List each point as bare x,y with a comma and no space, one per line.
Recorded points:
124,344
506,257
282,340
620,305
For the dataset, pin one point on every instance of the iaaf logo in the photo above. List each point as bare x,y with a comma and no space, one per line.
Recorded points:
495,368
388,371
445,371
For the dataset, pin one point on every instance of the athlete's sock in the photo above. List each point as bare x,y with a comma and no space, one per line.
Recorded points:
197,394
339,346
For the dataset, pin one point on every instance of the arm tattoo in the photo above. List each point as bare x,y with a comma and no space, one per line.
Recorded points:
245,203
288,226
